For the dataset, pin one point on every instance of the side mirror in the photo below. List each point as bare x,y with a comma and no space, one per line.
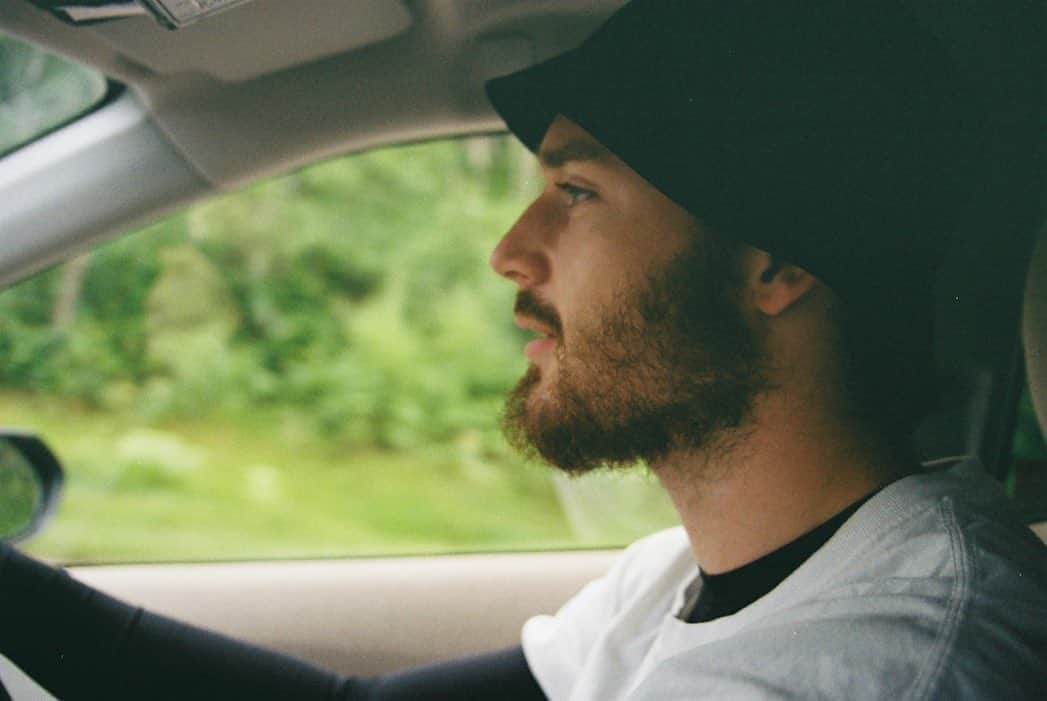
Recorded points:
30,484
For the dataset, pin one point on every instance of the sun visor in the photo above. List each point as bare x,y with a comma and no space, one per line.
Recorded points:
172,14
234,40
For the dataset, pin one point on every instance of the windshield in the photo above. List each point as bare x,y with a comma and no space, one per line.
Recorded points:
40,91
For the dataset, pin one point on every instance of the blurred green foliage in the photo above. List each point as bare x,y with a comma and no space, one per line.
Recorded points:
355,291
257,486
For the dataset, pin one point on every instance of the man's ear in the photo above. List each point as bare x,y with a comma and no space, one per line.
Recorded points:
777,285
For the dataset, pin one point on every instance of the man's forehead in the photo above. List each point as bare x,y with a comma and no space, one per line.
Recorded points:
565,141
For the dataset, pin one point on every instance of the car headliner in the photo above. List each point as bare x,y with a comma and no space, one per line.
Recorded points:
272,85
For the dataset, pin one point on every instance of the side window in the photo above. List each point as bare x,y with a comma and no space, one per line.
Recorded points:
40,91
1027,481
311,367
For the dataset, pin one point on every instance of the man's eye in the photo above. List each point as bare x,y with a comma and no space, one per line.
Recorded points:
574,193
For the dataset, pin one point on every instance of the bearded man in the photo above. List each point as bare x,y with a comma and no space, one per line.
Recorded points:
729,269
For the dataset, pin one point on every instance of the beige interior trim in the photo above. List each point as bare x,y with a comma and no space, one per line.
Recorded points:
78,186
315,89
1040,529
253,39
19,686
362,616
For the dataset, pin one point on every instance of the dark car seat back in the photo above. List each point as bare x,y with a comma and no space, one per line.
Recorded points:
1034,335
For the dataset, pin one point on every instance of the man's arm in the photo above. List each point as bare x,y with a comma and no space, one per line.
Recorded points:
82,644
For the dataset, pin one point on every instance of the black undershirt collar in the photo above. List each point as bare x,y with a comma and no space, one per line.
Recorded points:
729,592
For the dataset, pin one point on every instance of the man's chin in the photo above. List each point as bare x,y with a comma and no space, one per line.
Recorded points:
528,422
531,401
537,425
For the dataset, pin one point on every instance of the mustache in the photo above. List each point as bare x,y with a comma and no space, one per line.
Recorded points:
527,304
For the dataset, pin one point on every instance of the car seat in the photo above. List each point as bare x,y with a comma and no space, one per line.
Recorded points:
1034,338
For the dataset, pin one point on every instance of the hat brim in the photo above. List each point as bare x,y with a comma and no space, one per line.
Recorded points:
529,100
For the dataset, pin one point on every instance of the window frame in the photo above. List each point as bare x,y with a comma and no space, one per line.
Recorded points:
112,92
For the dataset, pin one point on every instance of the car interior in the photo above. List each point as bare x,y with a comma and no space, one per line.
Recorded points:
269,86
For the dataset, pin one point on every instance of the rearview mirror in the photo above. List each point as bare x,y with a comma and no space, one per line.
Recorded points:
30,484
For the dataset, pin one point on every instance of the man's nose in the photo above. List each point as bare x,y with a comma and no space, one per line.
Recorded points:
522,255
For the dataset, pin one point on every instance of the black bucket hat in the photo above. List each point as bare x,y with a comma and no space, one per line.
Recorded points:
838,136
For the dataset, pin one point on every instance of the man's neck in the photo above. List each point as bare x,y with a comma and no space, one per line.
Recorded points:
793,467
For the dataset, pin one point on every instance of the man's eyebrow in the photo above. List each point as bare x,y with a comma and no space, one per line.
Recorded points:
575,150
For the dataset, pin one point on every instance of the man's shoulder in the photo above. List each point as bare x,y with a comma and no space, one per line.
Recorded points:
945,534
999,639
939,525
653,565
664,545
966,529
933,590
944,552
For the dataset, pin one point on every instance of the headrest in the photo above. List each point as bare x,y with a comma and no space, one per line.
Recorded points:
1034,328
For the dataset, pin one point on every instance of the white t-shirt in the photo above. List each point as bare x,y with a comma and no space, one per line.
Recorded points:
931,590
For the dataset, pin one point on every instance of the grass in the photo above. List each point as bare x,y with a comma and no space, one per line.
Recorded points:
260,487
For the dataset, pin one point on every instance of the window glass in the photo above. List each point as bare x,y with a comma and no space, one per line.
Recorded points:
1027,480
313,366
40,91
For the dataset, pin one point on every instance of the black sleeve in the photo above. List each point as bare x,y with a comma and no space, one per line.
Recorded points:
81,644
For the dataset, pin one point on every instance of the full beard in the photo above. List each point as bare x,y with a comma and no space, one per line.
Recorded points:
672,367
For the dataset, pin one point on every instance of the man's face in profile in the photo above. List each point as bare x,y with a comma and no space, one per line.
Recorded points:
643,348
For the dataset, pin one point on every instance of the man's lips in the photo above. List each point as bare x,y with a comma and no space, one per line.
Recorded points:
540,346
532,324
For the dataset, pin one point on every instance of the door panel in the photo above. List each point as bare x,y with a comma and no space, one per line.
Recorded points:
361,617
